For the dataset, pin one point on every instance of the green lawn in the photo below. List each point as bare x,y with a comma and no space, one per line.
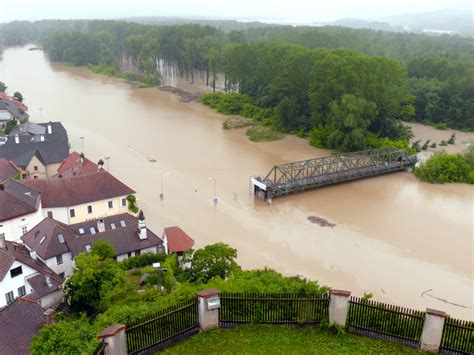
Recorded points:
274,339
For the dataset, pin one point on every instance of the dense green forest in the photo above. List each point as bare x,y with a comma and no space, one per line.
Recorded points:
345,88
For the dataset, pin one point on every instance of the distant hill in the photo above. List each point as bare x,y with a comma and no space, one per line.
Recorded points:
224,25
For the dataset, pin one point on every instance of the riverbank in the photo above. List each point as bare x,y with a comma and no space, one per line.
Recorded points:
407,242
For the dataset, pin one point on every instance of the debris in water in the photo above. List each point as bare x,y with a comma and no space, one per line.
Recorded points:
320,221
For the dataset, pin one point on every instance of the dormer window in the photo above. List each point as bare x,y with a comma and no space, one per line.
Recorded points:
92,229
112,225
81,230
122,223
60,239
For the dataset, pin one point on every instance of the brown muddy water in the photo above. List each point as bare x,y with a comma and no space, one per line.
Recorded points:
407,242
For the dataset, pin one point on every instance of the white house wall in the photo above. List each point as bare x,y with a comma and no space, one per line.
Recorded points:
13,229
12,284
66,266
52,299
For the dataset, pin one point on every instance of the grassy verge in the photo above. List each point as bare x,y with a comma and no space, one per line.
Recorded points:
237,122
275,339
140,81
263,134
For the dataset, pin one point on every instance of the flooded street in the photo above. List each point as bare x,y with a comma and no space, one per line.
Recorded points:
393,236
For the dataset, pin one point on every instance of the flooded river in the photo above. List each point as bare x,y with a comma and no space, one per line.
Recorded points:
407,242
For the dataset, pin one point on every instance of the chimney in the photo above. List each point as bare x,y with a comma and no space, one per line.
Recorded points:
100,164
50,129
17,139
141,226
81,159
48,314
42,138
101,225
33,255
48,281
3,245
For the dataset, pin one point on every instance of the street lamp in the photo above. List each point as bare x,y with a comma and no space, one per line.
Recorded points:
82,143
162,175
41,113
215,200
107,160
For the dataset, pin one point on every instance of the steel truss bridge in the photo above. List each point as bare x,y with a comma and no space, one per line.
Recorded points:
307,174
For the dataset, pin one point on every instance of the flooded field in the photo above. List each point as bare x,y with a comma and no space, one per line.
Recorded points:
407,242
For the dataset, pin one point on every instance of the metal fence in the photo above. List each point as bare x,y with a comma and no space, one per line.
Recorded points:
458,336
163,328
273,308
385,321
100,350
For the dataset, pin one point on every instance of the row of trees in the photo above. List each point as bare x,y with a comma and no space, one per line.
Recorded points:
440,68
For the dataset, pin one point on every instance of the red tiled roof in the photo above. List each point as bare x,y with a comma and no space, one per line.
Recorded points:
16,200
8,169
19,322
178,240
72,166
79,189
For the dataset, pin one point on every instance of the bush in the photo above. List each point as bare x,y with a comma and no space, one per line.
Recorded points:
142,260
443,167
263,134
229,104
441,126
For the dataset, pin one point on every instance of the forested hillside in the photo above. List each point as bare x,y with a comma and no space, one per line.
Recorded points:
344,87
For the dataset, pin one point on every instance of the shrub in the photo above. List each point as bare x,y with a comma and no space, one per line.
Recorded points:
452,139
263,134
441,126
142,260
443,167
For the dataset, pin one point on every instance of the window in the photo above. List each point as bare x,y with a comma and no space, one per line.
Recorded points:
36,234
35,168
81,230
59,259
42,239
9,297
72,213
60,238
129,254
50,214
24,230
92,229
138,252
89,209
88,248
112,225
124,202
16,271
35,177
122,223
21,291
2,235
62,275
111,204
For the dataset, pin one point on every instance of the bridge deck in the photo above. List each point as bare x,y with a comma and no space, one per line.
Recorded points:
312,173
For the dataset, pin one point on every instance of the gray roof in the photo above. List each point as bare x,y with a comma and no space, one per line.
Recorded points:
54,147
29,128
13,109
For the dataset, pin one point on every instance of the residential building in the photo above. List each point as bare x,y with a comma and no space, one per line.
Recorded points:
8,170
19,322
57,244
175,240
20,209
36,155
77,164
10,110
23,275
81,198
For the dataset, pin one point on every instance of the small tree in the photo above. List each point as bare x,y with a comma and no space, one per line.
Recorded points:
426,145
452,140
9,126
18,96
132,203
216,260
3,87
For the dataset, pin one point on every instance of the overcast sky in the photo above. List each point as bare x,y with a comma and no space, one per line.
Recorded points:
275,10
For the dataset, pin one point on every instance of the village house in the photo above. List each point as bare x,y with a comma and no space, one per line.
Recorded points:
175,240
77,164
20,209
19,322
57,244
23,275
11,110
36,149
81,198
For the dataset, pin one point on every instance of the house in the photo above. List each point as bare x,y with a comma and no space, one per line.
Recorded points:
175,240
23,275
77,164
80,198
19,322
37,155
20,209
57,244
11,110
8,170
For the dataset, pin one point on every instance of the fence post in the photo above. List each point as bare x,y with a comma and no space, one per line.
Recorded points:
208,308
432,330
115,338
338,306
